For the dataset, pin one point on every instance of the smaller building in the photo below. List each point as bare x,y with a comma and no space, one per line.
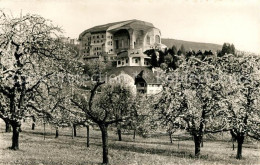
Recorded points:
140,79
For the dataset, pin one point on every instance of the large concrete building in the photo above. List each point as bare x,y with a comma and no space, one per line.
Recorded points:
123,41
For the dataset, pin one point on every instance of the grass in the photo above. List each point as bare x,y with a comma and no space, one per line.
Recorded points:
35,150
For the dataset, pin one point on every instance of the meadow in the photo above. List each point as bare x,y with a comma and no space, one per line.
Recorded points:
154,150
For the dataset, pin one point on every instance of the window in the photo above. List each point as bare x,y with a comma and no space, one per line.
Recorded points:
97,41
118,62
98,36
142,84
102,36
126,61
111,50
94,41
101,41
123,63
111,37
136,60
93,37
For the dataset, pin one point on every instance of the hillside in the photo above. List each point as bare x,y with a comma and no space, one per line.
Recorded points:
191,45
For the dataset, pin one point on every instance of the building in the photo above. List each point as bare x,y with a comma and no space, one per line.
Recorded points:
123,42
69,40
140,79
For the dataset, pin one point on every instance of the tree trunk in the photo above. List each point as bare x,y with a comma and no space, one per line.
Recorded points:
103,129
75,129
233,144
201,142
33,124
170,134
240,141
87,135
15,139
57,132
134,134
72,132
7,126
119,131
197,141
44,130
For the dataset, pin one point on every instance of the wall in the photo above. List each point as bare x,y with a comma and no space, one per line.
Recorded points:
85,45
154,88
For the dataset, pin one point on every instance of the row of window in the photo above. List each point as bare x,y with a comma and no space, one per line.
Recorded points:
88,43
134,60
97,48
97,36
101,41
123,63
97,53
154,85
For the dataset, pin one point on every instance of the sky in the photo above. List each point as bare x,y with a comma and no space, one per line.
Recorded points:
210,21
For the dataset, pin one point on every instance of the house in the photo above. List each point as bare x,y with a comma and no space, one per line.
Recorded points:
139,79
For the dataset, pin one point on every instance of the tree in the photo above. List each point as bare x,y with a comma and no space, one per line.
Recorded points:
227,49
192,100
232,49
28,47
243,113
179,52
174,50
104,110
154,61
183,51
161,58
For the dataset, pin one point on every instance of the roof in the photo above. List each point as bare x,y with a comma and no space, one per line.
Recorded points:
115,25
136,72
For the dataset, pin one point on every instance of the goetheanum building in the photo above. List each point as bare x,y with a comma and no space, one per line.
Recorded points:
123,41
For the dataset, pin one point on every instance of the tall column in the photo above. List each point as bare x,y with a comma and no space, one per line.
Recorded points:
132,38
141,61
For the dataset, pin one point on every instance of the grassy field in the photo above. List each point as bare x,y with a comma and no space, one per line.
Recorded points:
34,150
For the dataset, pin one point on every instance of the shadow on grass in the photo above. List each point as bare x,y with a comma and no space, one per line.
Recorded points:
157,151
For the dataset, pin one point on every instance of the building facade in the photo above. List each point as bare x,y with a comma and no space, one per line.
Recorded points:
123,42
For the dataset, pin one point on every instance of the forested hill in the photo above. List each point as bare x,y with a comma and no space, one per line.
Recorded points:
191,45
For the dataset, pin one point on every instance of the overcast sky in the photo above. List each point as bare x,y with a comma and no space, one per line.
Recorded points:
213,21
